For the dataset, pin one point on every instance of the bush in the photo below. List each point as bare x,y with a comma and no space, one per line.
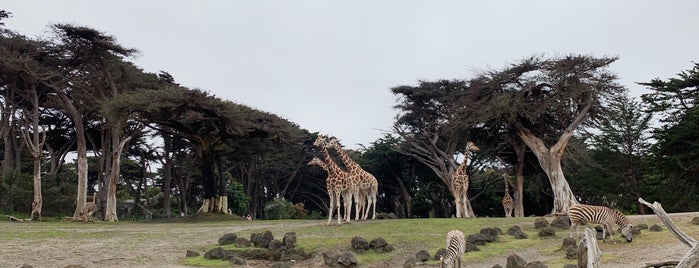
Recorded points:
279,209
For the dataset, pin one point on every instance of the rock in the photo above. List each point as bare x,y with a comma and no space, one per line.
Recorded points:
635,230
491,235
284,264
214,254
330,257
570,266
572,252
521,235
656,228
347,259
377,244
497,266
274,244
261,240
695,221
567,242
388,248
513,230
227,239
498,230
470,247
546,232
289,240
190,254
440,252
536,264
237,261
540,223
410,262
515,261
562,222
476,239
642,226
360,244
422,255
242,242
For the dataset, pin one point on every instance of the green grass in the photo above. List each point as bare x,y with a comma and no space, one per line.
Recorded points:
408,236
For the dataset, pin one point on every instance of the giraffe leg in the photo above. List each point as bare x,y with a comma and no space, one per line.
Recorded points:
332,207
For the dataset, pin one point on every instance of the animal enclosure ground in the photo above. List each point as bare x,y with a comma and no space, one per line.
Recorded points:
139,244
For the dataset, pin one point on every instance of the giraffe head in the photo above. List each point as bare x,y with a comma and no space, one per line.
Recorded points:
320,141
333,143
316,161
471,147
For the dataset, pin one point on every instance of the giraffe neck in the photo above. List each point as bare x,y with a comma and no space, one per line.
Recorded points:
349,163
507,186
333,169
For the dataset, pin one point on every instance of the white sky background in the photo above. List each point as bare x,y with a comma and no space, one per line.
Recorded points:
329,65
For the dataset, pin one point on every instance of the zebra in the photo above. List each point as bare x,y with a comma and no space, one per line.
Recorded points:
456,245
600,215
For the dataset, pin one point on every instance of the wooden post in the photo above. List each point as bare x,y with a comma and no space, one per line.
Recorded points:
589,254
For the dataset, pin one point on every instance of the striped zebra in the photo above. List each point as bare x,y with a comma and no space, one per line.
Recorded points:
456,245
600,215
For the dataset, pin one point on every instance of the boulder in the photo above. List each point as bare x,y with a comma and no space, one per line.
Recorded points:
238,261
422,255
536,264
242,242
440,252
477,239
261,240
567,242
410,262
219,254
695,221
378,244
570,265
491,235
515,261
562,222
359,244
572,252
289,240
656,228
283,264
540,223
470,247
191,253
347,259
274,244
546,232
330,257
642,226
513,230
227,239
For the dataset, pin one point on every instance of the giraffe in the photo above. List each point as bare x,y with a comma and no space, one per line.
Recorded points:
368,186
459,182
346,186
333,183
508,204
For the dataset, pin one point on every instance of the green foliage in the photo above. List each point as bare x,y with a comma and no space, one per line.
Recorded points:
238,201
279,209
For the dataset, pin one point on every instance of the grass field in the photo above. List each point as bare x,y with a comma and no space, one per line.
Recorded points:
149,244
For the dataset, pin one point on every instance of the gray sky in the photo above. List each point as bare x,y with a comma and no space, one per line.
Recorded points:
329,65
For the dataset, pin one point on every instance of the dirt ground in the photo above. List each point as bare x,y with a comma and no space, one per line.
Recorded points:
165,244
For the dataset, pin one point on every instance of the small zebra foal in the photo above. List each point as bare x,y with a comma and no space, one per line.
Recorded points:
456,245
600,215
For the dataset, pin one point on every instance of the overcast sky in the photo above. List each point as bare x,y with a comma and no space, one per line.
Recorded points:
329,65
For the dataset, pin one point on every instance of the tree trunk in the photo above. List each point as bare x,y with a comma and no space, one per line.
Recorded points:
167,174
550,162
81,144
407,199
520,150
110,213
37,203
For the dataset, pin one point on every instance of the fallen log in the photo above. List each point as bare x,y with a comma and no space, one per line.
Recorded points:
691,258
589,254
12,218
662,264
